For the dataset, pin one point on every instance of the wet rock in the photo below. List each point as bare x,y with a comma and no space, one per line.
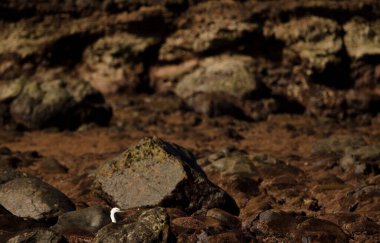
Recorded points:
337,144
321,231
151,226
316,40
32,198
201,30
155,172
362,38
37,235
86,221
115,63
48,104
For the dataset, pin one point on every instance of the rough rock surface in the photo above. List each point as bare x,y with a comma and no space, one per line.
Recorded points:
155,172
152,225
230,75
201,30
316,167
362,38
32,198
316,40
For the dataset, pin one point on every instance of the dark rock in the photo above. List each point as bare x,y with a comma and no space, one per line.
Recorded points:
86,221
155,172
318,230
11,223
38,236
151,226
47,104
32,198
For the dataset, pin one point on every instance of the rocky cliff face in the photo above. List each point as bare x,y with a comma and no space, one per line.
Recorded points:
317,57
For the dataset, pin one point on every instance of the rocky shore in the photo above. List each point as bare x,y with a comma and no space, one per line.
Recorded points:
204,121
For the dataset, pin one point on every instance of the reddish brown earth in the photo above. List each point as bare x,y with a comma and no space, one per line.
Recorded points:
287,137
278,100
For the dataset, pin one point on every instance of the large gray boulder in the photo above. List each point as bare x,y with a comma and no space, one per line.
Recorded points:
155,172
33,198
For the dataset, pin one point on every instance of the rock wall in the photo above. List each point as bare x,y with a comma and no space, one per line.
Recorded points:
243,58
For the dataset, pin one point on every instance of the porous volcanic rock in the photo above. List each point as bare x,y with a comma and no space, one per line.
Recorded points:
152,225
155,172
33,198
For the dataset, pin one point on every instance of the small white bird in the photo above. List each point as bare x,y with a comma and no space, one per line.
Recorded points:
112,214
